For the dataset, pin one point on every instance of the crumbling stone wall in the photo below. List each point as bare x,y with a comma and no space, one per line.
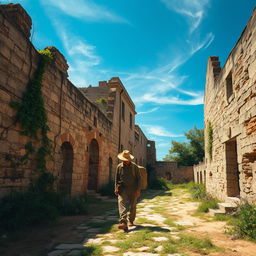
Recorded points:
200,173
171,171
72,118
86,135
140,146
230,107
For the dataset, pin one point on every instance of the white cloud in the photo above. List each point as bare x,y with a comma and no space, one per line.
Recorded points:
159,131
147,112
85,10
197,99
192,10
82,59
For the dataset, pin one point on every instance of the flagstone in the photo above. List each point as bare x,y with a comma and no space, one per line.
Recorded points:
143,249
156,217
57,252
110,248
82,227
140,254
184,223
69,246
160,238
98,240
159,248
74,253
93,230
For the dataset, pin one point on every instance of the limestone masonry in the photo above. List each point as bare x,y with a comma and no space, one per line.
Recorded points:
230,109
88,126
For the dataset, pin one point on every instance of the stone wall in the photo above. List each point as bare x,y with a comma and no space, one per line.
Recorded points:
140,143
171,171
86,138
200,173
230,107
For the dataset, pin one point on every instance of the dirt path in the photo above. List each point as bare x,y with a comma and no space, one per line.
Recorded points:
165,226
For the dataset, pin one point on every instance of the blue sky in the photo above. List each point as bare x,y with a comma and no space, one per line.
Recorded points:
158,48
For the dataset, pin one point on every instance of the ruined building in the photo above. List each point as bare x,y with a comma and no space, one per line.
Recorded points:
230,121
88,126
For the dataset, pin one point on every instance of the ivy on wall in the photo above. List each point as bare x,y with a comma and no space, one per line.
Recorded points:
31,116
209,134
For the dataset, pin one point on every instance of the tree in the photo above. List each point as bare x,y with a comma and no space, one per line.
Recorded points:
188,153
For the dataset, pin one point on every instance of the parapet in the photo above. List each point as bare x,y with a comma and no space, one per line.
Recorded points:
59,59
214,64
18,16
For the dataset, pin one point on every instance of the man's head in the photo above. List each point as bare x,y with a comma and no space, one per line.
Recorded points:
126,157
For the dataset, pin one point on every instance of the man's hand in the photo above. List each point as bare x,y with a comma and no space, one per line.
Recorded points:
137,194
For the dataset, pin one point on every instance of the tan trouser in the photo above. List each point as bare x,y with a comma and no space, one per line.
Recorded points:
127,206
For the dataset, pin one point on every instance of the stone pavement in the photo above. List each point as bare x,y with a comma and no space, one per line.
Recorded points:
151,236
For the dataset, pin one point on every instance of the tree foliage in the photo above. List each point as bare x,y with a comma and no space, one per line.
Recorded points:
188,153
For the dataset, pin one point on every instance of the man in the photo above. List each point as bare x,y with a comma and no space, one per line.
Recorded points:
127,188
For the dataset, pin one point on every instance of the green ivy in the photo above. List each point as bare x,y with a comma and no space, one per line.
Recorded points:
32,117
209,132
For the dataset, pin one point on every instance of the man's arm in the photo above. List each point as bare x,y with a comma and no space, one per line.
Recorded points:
117,180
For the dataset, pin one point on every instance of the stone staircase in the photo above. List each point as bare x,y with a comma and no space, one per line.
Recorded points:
228,207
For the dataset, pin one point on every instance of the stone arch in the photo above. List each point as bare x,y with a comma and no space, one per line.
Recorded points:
93,165
65,175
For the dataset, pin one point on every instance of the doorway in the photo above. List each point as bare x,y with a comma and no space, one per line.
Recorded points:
93,165
232,173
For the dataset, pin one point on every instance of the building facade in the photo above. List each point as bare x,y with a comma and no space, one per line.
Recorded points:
230,121
88,126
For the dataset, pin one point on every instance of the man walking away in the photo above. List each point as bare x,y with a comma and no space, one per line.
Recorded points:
127,188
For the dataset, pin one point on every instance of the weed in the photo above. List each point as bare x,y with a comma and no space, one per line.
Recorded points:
206,204
203,245
245,225
92,250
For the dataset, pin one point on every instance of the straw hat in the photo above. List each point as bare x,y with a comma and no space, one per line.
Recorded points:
125,156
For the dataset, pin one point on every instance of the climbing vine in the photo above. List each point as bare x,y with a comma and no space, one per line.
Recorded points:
209,132
32,117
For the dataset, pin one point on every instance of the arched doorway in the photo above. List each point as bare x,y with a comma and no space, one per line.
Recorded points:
110,166
65,175
93,165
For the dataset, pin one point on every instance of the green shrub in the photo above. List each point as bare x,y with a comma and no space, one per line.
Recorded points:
197,191
93,250
21,209
74,205
208,203
107,189
245,225
160,183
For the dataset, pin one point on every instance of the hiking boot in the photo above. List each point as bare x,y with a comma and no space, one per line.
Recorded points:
123,226
131,224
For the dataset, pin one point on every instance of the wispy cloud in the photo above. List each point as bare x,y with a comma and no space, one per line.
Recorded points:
159,131
192,10
147,112
163,85
82,59
197,99
85,10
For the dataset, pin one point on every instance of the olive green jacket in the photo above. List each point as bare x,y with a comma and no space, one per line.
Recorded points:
128,177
